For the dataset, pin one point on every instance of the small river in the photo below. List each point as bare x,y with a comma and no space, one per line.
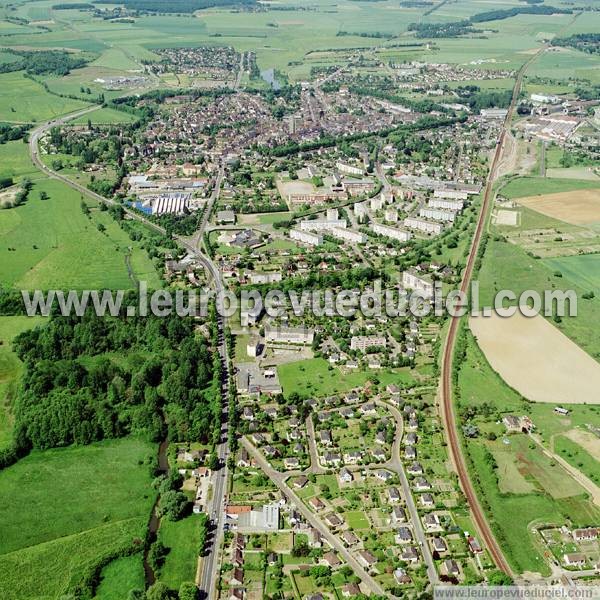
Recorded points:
154,523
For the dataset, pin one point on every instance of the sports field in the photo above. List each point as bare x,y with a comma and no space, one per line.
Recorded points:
557,370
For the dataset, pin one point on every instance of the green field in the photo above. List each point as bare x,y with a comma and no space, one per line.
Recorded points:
123,574
105,116
15,161
583,270
64,509
578,457
323,381
10,369
57,246
557,498
536,186
23,100
508,267
182,538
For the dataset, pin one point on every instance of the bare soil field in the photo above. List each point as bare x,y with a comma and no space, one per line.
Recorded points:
537,359
508,218
587,440
579,207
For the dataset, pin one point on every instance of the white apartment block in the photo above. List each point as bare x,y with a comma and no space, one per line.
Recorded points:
391,215
347,235
447,204
438,214
348,169
360,209
323,225
391,232
258,278
387,197
420,283
306,237
377,203
422,225
362,342
454,194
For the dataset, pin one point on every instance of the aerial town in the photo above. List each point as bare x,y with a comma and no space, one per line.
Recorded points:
307,452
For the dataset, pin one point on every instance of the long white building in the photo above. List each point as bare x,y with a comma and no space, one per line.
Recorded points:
348,235
348,169
392,232
323,225
438,214
420,283
447,203
306,237
362,342
423,225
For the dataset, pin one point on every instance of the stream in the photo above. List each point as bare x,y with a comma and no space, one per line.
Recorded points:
154,523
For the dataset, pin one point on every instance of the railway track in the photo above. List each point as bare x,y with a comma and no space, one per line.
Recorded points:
446,401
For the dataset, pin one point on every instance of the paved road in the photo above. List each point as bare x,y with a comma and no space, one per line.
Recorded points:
210,565
279,480
447,405
34,138
395,464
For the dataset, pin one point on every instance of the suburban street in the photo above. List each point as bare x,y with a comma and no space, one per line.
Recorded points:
279,480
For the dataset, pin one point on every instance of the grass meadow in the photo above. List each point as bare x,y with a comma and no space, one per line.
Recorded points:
530,489
15,161
506,266
47,244
182,538
23,100
537,186
120,575
63,509
323,382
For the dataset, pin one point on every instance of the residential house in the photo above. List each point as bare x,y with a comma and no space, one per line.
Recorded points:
394,494
237,577
575,559
383,475
398,514
332,560
401,577
350,590
349,538
439,544
346,475
300,482
451,568
316,503
366,559
410,555
403,535
333,520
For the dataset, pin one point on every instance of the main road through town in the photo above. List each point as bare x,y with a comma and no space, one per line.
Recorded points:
208,575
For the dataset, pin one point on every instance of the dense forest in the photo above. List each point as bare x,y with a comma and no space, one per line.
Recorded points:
42,62
89,378
586,42
178,6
